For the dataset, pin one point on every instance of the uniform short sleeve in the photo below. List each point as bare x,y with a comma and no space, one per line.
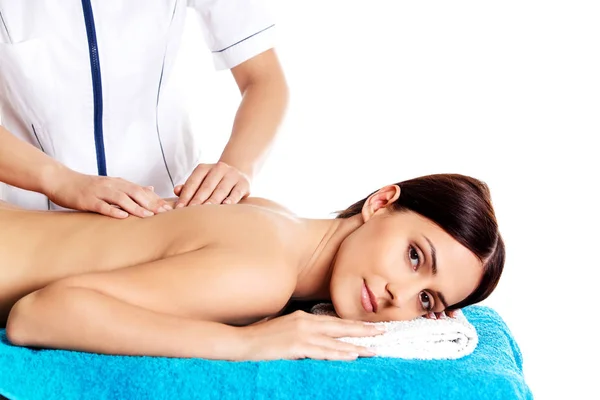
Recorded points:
235,30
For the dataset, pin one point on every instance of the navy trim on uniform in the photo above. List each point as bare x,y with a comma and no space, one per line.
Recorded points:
90,28
5,27
157,129
37,138
236,43
162,70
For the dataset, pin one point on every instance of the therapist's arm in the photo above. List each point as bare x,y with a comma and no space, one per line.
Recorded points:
23,165
264,99
264,90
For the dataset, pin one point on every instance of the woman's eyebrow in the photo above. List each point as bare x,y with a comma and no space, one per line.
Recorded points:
432,253
434,270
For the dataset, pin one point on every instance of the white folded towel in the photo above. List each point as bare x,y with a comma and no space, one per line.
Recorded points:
421,338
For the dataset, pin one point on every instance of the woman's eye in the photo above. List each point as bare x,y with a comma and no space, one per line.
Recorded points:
426,303
413,256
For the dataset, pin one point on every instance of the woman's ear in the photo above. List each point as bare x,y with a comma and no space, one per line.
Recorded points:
378,201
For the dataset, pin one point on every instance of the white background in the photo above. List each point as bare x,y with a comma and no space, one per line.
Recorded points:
508,92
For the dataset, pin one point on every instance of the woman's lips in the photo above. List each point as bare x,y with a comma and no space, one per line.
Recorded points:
367,298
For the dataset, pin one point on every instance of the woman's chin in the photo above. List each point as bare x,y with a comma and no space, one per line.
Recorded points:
339,309
346,312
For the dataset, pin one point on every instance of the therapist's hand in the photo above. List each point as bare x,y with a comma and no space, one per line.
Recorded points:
114,197
218,183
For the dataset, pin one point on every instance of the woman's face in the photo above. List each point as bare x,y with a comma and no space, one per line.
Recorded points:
399,266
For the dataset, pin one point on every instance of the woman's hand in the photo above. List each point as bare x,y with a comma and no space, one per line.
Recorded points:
440,315
302,335
114,197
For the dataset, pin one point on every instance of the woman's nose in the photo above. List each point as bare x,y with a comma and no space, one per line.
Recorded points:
400,295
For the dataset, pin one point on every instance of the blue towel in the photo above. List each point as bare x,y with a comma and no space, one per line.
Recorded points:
492,371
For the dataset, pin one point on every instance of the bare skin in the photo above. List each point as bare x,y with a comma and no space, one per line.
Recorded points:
39,248
205,275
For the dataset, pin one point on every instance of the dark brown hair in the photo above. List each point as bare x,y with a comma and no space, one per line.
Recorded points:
462,207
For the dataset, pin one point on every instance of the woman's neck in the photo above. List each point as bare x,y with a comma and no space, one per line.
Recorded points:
322,239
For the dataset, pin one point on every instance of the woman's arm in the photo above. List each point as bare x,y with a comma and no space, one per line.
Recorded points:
171,307
164,308
83,319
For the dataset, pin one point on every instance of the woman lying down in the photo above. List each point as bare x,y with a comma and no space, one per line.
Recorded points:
210,281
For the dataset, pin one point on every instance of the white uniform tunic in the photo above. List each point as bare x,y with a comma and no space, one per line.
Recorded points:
86,81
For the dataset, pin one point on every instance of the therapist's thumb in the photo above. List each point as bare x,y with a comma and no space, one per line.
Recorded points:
177,190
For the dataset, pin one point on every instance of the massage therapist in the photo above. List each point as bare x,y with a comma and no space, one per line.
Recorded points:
88,114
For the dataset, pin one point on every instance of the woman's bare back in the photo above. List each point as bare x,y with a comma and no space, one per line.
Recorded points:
39,247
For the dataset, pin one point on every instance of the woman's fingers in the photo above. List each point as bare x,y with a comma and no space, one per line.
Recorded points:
325,348
303,335
340,346
325,353
441,315
337,327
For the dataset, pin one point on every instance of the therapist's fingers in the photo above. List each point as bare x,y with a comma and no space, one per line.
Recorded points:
222,191
209,184
123,192
239,191
233,187
147,199
102,207
126,203
192,184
